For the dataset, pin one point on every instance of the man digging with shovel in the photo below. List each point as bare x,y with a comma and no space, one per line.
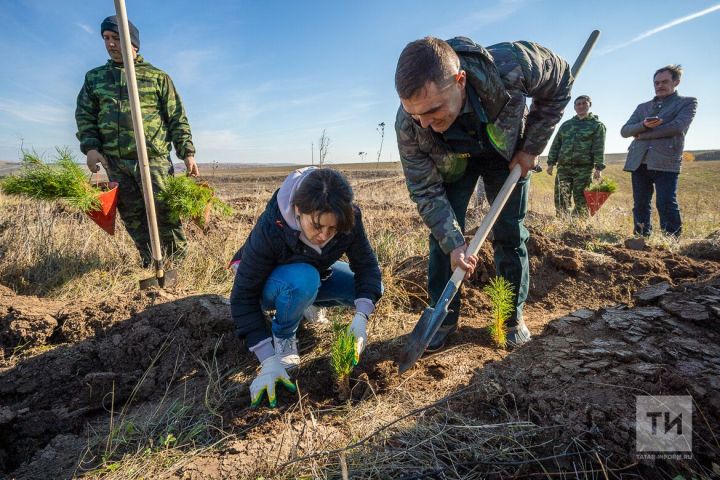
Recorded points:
463,116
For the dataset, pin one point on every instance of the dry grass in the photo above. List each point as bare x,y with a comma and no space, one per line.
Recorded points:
52,251
699,208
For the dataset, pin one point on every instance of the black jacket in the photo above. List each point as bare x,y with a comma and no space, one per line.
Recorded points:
271,243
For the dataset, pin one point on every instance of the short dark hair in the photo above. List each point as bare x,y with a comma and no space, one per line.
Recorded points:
582,97
674,69
421,61
325,190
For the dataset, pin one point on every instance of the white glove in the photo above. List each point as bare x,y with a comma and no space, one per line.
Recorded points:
271,372
358,328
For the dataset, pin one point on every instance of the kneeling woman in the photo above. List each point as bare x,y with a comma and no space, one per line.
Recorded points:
290,262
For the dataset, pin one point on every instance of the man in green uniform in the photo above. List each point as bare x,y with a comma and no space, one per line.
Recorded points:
105,131
463,116
578,147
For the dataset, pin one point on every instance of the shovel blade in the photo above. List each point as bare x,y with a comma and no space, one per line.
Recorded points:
169,280
151,282
420,337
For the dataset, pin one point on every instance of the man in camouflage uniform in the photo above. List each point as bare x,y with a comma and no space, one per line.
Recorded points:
105,131
463,116
578,146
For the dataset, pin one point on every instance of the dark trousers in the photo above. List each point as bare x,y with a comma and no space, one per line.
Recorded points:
510,234
664,185
132,207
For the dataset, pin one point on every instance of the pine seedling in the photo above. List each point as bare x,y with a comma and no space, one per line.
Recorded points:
607,185
189,200
342,355
63,180
501,296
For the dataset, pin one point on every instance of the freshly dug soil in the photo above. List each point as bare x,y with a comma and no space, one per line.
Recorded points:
61,364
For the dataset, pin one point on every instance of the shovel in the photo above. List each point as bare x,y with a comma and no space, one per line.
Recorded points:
162,277
432,317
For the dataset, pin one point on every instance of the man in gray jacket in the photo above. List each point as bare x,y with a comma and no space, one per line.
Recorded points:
655,155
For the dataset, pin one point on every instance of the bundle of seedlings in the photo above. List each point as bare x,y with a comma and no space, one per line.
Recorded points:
342,356
606,185
190,200
63,180
501,296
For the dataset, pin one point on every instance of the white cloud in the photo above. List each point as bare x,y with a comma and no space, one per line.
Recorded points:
86,28
37,112
479,18
661,28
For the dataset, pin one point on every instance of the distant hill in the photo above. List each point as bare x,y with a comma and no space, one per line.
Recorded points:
7,167
700,155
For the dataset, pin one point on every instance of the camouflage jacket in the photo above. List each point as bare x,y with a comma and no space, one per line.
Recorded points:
580,142
103,113
503,76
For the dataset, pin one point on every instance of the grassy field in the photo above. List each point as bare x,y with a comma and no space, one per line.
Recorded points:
699,208
70,255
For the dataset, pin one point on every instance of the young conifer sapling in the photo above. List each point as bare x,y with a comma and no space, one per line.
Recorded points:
342,355
501,296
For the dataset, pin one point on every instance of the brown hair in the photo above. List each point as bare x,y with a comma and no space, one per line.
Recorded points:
327,191
426,60
674,69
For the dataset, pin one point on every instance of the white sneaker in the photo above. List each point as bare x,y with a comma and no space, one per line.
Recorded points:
315,314
286,350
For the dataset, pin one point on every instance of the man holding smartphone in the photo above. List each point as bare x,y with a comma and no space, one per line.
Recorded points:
655,155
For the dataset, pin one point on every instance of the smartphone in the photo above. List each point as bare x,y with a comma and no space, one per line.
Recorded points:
652,119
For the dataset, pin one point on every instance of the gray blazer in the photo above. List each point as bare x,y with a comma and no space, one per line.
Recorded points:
660,148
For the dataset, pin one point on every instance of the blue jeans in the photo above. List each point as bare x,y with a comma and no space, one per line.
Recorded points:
291,288
664,184
509,233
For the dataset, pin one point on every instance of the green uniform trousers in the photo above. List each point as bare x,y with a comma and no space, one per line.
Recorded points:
570,185
126,172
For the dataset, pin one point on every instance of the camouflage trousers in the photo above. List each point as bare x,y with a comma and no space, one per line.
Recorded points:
570,183
131,206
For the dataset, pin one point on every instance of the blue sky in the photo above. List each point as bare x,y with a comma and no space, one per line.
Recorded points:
261,80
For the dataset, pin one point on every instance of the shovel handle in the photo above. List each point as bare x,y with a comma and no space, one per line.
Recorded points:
488,221
584,53
137,120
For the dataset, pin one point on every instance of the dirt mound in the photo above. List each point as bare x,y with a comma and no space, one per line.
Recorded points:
105,354
575,271
585,371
